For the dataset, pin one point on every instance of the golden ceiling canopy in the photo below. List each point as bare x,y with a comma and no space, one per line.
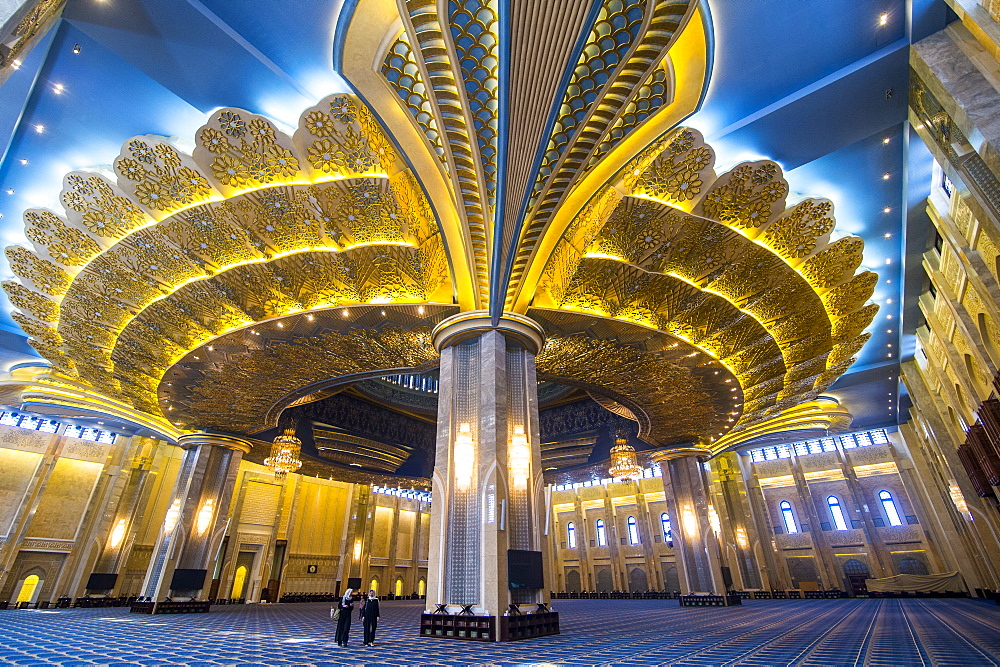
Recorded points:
540,174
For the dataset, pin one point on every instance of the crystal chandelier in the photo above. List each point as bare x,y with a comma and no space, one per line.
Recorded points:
624,463
285,452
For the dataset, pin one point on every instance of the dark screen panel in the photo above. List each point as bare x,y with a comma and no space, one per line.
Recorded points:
524,569
188,580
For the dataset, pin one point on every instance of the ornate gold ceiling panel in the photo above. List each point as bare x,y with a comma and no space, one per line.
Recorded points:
676,392
523,166
254,225
719,261
510,110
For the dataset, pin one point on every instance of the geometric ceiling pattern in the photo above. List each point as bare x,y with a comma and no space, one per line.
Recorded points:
540,173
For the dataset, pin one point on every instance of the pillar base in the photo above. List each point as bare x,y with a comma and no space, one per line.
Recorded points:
484,628
727,600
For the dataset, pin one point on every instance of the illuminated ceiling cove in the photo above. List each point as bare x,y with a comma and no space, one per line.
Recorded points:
537,158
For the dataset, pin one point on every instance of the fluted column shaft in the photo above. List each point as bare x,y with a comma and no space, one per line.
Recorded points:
695,543
488,492
196,520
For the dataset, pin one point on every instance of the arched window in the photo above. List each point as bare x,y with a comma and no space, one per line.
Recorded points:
668,535
571,535
889,505
633,531
602,534
837,511
787,517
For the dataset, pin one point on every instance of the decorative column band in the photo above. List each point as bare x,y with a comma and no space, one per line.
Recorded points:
192,440
476,322
663,455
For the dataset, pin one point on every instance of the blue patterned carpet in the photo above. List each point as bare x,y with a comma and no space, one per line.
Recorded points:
653,632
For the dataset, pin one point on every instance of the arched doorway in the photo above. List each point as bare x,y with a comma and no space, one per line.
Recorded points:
671,580
572,581
374,585
421,587
856,573
604,580
399,586
638,581
239,581
911,565
29,589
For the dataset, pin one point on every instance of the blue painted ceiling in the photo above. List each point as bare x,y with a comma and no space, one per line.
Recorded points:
818,86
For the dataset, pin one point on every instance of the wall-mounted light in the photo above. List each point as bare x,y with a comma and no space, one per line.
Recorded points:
205,515
117,534
689,522
883,19
713,520
464,456
173,515
519,458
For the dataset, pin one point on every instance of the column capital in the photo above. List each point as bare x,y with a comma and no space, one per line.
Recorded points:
662,455
192,440
475,322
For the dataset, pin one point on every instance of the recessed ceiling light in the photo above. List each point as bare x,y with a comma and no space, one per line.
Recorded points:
887,209
886,140
39,128
888,235
885,176
23,160
883,19
58,89
10,191
77,48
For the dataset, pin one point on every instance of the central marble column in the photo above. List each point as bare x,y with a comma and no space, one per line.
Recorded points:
488,490
695,541
195,523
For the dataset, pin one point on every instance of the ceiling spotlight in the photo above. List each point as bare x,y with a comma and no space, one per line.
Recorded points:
39,128
10,191
23,161
77,48
885,176
280,325
883,19
211,349
888,236
886,140
887,210
58,89
888,300
888,260
888,317
345,312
